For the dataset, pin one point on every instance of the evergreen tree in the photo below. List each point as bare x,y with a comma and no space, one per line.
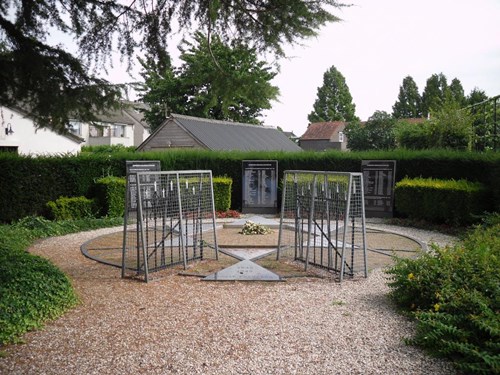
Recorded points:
334,101
476,96
54,85
409,103
434,94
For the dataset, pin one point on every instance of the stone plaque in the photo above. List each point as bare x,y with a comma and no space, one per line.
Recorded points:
260,186
378,179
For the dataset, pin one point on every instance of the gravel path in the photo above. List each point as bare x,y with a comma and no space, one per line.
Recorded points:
182,325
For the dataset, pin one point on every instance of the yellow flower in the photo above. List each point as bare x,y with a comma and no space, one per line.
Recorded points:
411,276
436,307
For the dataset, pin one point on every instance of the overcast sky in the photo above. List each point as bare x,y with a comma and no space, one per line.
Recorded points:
379,42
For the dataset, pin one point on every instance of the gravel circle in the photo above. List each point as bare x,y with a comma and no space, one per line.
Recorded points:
182,325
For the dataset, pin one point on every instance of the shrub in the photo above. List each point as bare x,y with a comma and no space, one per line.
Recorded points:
65,208
109,194
439,201
454,294
222,193
413,136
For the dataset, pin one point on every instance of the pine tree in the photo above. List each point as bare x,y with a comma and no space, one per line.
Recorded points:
334,101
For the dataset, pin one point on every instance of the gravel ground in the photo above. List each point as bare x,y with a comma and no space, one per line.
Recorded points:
182,325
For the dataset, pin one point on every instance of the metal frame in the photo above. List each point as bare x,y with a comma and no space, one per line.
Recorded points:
173,223
322,221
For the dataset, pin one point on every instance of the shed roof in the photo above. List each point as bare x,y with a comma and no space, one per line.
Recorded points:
227,135
322,130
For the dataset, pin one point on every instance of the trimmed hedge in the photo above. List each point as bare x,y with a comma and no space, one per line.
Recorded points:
448,201
72,208
28,183
109,194
222,193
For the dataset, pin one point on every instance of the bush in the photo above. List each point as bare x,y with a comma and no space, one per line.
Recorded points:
413,136
448,201
109,194
454,294
65,208
222,193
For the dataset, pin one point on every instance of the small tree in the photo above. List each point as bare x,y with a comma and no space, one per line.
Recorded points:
377,134
334,101
451,127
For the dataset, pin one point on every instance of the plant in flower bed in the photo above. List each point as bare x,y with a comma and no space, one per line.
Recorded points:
253,228
454,294
227,214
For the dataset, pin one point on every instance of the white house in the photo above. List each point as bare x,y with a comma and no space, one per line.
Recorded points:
123,126
19,134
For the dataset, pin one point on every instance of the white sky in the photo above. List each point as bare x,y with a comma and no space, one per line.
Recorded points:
379,42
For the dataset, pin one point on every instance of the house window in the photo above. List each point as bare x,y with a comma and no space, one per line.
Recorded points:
341,137
118,131
75,127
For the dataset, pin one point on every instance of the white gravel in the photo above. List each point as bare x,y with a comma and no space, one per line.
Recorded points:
182,325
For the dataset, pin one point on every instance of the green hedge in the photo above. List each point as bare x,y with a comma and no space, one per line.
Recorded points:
109,194
441,201
71,208
222,193
28,183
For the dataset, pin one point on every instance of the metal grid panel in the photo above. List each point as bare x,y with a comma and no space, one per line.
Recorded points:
173,223
323,221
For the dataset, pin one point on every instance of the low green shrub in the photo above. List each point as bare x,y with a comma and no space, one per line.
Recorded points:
70,208
440,201
222,193
454,294
33,290
109,195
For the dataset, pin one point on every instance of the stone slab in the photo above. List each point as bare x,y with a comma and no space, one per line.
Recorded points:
250,254
245,270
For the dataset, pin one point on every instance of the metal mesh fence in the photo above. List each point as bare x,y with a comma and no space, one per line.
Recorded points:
323,221
170,220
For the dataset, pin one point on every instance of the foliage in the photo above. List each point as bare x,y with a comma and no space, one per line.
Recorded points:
107,149
434,93
222,193
412,135
227,214
454,294
456,92
32,290
448,201
54,85
28,183
250,228
451,127
216,80
409,103
334,101
109,194
377,134
71,208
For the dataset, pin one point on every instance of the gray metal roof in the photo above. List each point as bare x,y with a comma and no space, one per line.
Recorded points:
226,135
